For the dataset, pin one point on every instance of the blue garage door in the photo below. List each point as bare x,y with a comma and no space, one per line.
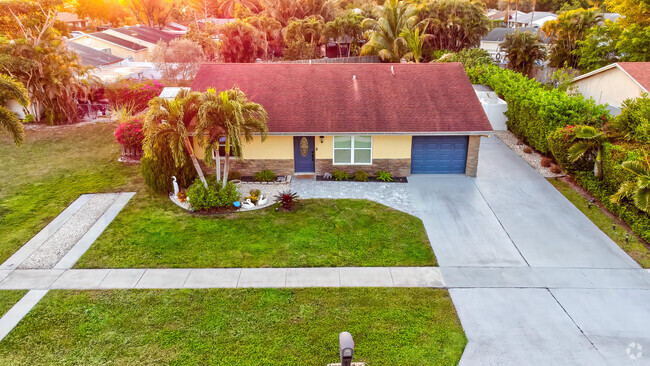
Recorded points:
439,154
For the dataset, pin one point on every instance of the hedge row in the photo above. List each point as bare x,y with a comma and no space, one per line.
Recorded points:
534,112
638,220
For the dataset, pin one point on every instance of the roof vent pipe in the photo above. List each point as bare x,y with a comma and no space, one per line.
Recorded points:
354,77
310,62
392,70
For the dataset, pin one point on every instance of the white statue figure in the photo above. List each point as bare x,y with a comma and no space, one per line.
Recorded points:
175,186
247,204
263,200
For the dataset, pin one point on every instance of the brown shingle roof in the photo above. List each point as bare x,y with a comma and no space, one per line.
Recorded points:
355,98
639,71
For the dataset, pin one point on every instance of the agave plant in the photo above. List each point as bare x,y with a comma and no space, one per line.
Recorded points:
637,191
591,142
287,199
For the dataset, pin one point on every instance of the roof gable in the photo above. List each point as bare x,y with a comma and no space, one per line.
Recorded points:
637,71
355,98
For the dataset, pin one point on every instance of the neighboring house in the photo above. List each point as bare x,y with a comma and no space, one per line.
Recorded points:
92,57
491,42
402,118
175,28
535,20
71,20
614,83
512,16
113,45
142,35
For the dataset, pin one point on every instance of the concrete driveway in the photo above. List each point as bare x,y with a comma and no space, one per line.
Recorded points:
534,281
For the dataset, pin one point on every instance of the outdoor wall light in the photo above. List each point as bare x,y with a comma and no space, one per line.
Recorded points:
321,139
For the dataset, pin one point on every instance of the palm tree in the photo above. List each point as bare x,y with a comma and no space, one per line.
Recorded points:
565,32
522,50
639,190
392,18
271,29
231,115
454,25
414,43
166,126
240,42
591,142
227,8
303,36
10,89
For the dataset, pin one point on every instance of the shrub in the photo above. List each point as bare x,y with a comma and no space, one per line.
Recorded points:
634,120
384,176
264,176
528,150
287,199
637,219
533,111
546,162
202,198
158,171
556,169
133,93
130,133
613,155
234,175
560,141
340,175
361,176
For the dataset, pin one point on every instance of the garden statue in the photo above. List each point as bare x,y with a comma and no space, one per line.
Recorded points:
247,204
263,200
175,186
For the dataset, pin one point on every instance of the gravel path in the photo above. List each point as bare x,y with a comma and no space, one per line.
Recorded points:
534,159
56,246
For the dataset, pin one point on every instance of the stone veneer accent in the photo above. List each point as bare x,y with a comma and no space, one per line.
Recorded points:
472,155
397,167
250,167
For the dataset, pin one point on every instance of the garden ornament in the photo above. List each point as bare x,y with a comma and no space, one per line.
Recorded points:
263,200
175,185
247,204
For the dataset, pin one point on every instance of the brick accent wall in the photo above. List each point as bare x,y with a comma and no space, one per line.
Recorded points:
397,167
472,155
250,167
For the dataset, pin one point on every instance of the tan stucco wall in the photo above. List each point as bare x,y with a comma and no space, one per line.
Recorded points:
99,44
612,87
383,147
274,147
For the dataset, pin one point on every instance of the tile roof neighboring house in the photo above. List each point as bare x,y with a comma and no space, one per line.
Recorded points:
499,34
92,57
146,34
637,71
116,41
356,98
528,18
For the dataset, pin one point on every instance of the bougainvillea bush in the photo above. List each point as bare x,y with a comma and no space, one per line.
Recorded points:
133,93
130,133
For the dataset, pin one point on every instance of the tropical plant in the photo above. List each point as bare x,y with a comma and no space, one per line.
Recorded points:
130,133
563,80
178,61
390,20
599,47
286,10
634,44
566,31
634,121
522,50
132,94
212,196
469,57
11,89
265,175
271,30
632,11
637,191
287,199
384,176
589,145
227,7
361,176
229,114
347,25
166,127
454,24
153,13
240,42
415,43
340,175
303,38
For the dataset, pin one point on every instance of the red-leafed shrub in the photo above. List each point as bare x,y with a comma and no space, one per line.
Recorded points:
132,93
130,133
546,162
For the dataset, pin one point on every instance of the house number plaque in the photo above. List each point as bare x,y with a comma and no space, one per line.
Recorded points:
304,146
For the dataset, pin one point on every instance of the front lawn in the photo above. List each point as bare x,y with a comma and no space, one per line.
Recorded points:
9,298
152,232
48,171
634,248
237,327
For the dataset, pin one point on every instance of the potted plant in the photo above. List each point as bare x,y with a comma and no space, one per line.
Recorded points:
129,134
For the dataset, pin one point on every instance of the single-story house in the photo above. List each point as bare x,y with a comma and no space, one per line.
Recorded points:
535,20
92,57
402,118
113,45
614,83
512,16
142,35
72,20
492,41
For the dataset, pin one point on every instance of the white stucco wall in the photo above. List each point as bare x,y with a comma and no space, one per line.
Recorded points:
611,87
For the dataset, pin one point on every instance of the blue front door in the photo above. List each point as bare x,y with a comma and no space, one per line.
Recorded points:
303,154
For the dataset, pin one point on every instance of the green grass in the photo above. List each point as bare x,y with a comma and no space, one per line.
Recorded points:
49,171
151,232
634,248
237,327
9,298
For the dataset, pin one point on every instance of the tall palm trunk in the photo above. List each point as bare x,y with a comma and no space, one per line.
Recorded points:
507,17
217,163
195,161
226,170
532,14
516,13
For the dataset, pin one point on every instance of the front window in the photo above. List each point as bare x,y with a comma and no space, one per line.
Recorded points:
350,150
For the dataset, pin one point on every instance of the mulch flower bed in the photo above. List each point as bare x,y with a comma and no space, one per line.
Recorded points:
370,179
